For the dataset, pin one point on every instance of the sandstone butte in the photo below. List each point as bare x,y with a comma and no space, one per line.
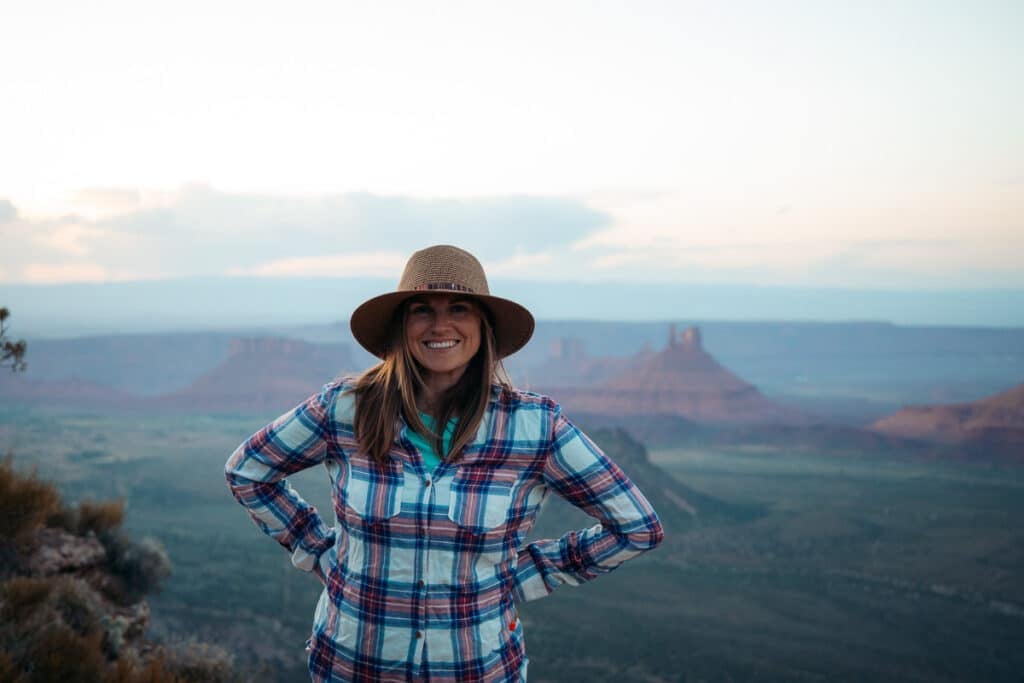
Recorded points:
683,379
261,374
998,418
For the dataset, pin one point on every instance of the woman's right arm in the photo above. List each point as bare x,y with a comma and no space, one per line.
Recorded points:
257,469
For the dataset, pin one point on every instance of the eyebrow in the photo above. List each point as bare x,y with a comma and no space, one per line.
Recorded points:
455,300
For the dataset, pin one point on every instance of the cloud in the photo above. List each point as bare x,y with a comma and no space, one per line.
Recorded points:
70,236
521,264
946,260
360,220
44,273
202,231
107,200
8,212
379,263
714,262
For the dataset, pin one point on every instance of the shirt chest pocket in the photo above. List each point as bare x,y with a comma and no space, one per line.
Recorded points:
372,491
481,498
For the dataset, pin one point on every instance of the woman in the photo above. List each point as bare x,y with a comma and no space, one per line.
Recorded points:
438,468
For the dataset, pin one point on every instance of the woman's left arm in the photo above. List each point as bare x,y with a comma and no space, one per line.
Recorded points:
581,473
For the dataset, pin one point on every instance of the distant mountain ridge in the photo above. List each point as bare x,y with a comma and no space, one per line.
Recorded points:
261,374
679,393
70,393
137,364
257,375
214,302
854,373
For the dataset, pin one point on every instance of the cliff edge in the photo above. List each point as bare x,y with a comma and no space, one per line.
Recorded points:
73,592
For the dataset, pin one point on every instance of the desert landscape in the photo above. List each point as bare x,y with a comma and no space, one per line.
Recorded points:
833,544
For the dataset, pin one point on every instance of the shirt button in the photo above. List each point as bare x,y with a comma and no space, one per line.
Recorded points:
419,634
427,483
420,584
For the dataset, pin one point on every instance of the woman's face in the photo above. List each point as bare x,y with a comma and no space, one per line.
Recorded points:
442,332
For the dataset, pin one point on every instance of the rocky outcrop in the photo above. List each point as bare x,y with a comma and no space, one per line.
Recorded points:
991,429
56,551
73,594
683,380
999,417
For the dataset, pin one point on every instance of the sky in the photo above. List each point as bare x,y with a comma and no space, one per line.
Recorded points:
822,144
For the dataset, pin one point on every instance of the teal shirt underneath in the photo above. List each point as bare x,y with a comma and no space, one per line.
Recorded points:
430,457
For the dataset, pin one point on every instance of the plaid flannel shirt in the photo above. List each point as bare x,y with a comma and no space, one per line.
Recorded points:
422,570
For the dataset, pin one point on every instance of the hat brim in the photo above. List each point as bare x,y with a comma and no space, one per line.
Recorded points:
513,324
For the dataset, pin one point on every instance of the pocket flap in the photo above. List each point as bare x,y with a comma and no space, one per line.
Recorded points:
481,497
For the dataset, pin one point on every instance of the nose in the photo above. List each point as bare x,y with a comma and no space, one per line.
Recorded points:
442,319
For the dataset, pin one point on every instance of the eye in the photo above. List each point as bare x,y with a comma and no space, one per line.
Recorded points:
460,308
419,309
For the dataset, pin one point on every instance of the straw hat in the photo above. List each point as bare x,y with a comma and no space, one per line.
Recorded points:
439,269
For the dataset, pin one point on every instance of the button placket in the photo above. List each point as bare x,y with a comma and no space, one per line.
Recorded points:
426,499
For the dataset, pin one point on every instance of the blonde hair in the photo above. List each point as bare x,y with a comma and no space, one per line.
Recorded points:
389,389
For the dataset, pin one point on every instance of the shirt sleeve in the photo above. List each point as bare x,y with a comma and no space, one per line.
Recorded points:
256,474
580,472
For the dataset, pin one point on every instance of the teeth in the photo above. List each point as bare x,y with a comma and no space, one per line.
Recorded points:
441,344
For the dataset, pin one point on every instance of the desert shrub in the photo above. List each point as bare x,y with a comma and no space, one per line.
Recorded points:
140,567
153,671
193,661
26,603
64,517
26,502
60,654
21,596
99,517
8,670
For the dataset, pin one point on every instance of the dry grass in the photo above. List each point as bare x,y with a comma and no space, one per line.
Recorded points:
26,502
99,517
194,661
21,596
60,654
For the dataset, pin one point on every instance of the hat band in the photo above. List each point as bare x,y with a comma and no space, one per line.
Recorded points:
450,286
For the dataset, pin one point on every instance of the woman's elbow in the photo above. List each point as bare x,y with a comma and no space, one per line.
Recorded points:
655,535
647,538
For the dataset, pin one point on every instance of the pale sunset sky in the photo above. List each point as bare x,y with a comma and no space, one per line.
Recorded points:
826,144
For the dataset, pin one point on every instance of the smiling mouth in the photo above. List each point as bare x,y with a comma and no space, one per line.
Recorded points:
439,345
